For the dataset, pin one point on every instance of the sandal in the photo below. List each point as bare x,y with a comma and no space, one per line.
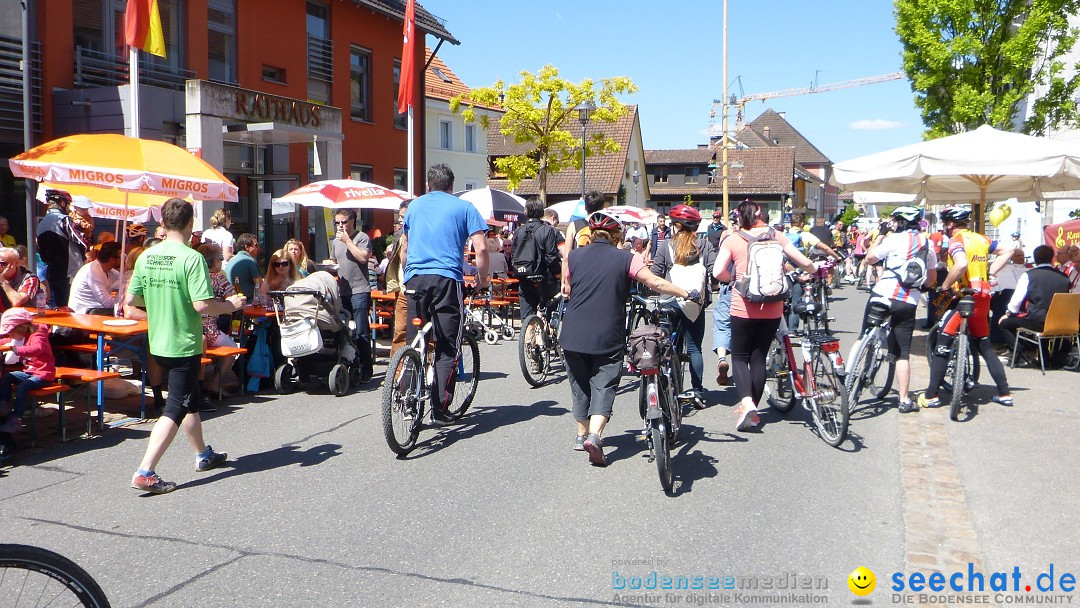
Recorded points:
722,372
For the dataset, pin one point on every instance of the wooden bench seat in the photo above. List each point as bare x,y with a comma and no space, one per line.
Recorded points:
36,397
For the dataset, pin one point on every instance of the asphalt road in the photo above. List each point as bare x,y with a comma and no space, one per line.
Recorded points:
314,510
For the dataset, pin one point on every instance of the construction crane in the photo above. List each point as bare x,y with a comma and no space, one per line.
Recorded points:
740,103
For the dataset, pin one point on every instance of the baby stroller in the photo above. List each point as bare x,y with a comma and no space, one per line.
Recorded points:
316,335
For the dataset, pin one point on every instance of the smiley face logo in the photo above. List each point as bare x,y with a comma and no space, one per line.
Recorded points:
861,581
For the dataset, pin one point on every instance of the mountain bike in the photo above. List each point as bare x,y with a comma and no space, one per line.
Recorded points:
963,365
816,384
538,346
872,367
658,394
409,382
32,576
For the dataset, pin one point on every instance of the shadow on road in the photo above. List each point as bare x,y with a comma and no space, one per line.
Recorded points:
690,464
272,459
482,420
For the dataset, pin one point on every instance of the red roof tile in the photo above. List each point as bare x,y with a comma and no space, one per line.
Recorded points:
440,82
694,156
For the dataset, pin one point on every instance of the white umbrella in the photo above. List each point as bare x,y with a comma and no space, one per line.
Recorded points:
640,215
495,204
977,165
344,194
569,210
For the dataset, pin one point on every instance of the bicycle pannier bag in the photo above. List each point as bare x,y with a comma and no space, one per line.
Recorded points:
300,337
764,279
647,347
688,277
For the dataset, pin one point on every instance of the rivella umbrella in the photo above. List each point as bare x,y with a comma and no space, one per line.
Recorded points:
980,165
639,215
344,194
495,204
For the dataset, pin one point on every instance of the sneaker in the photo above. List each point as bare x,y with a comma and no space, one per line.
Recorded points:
214,460
152,484
928,403
579,443
441,418
722,372
907,407
1005,400
365,374
970,385
748,420
697,399
13,425
594,445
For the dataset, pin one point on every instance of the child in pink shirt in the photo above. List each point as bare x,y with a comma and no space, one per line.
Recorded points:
39,365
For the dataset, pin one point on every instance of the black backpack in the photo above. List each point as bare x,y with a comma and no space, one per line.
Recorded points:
527,259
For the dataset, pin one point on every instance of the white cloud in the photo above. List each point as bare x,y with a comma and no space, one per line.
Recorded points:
877,124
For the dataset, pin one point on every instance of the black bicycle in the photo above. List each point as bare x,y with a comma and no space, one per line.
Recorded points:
538,346
962,369
32,576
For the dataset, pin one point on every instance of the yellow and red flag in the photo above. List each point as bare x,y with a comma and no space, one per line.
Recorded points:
406,91
143,27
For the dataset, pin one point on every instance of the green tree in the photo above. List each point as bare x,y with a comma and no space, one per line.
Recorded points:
971,62
537,110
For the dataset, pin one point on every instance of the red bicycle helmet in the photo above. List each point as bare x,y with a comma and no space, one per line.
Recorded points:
602,220
686,216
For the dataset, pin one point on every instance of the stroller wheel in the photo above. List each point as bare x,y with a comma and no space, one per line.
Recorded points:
339,379
285,380
508,331
491,336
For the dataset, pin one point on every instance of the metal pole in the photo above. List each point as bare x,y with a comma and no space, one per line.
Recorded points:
411,164
584,125
133,80
723,122
28,131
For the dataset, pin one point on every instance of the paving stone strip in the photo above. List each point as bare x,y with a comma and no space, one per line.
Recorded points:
938,533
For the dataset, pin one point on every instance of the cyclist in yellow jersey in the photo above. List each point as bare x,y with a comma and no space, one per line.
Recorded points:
968,266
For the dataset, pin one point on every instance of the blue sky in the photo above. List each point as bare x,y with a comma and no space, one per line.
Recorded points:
673,52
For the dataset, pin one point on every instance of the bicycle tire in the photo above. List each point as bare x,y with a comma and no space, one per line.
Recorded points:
534,358
41,571
662,455
823,305
973,360
882,362
780,395
402,406
860,367
468,378
829,404
960,364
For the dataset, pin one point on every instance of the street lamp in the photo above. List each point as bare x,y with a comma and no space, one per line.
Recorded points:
584,112
637,178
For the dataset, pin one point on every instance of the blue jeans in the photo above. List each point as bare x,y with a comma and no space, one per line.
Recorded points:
23,383
797,297
722,319
361,311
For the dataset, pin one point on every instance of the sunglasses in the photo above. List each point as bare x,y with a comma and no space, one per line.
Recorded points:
282,264
341,223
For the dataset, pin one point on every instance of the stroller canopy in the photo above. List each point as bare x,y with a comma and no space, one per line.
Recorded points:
328,313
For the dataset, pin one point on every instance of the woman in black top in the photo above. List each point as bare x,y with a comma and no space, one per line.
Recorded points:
594,330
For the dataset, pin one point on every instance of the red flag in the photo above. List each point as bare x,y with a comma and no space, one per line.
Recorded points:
406,89
143,27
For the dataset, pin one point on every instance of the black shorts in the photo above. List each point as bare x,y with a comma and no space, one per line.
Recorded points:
902,316
182,376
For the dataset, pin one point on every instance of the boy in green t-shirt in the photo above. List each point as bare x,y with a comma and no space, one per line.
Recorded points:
172,283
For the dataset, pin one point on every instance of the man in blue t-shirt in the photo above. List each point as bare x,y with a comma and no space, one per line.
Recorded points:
437,226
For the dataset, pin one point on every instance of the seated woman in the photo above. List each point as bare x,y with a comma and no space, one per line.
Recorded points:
213,336
298,253
496,260
280,274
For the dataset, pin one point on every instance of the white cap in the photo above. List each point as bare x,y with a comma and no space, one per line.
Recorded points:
81,202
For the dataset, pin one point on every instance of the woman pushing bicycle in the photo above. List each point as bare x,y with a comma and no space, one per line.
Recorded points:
597,281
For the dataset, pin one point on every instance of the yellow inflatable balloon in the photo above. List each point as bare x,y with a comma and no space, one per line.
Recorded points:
997,216
1008,209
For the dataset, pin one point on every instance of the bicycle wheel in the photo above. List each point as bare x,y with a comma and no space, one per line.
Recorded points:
402,407
882,371
861,365
829,403
777,384
468,376
533,354
662,454
974,364
960,363
822,300
32,576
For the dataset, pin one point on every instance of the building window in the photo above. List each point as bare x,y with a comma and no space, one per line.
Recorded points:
320,53
470,138
360,83
399,118
360,172
221,42
99,28
472,185
272,73
446,135
660,175
401,179
692,175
